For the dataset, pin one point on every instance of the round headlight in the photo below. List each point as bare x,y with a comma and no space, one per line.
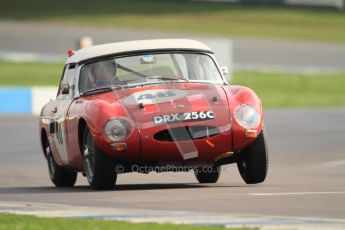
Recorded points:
117,129
247,116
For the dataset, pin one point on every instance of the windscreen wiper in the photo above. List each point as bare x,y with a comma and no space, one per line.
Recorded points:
141,84
100,90
154,83
168,78
129,70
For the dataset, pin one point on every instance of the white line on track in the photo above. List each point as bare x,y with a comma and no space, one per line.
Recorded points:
296,193
331,164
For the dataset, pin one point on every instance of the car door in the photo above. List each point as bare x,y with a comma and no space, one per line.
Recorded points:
59,113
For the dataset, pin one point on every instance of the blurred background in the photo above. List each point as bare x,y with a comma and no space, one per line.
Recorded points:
290,52
287,50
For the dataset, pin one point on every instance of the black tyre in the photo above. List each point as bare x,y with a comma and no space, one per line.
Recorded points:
58,175
207,174
99,168
253,161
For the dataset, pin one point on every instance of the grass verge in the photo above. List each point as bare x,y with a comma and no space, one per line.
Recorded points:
18,222
310,24
287,90
277,90
30,73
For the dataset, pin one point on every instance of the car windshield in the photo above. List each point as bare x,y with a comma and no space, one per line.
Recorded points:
148,68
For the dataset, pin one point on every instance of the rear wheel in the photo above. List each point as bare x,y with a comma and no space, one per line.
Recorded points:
58,175
207,174
253,161
99,168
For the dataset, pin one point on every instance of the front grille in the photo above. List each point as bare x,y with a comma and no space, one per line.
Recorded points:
186,133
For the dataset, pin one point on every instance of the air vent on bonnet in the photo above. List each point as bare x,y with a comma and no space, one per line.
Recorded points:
186,133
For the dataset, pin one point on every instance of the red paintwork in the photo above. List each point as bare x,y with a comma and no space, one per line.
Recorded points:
239,95
141,147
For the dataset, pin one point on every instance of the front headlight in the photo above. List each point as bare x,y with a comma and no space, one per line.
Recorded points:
117,129
247,116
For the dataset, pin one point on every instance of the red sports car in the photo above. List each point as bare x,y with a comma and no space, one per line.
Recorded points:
151,105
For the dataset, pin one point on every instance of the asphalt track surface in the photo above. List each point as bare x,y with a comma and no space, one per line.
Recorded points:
247,53
305,179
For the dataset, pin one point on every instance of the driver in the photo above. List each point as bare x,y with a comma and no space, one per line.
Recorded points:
103,74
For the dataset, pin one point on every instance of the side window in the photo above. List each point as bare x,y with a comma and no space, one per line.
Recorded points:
67,81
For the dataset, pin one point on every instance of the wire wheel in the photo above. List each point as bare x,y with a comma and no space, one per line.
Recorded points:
99,167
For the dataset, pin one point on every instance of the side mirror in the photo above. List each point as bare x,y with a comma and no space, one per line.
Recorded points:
224,70
64,88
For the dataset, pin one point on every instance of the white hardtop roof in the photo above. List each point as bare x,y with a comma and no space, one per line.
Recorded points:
133,46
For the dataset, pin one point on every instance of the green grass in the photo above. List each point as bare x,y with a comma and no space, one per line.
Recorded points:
310,24
280,90
30,73
18,222
277,90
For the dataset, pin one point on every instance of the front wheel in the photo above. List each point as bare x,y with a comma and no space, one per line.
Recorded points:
207,174
253,161
58,175
99,168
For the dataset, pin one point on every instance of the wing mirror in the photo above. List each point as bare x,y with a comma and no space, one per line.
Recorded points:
64,88
224,70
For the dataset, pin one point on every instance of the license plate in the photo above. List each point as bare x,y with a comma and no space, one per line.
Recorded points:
187,116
